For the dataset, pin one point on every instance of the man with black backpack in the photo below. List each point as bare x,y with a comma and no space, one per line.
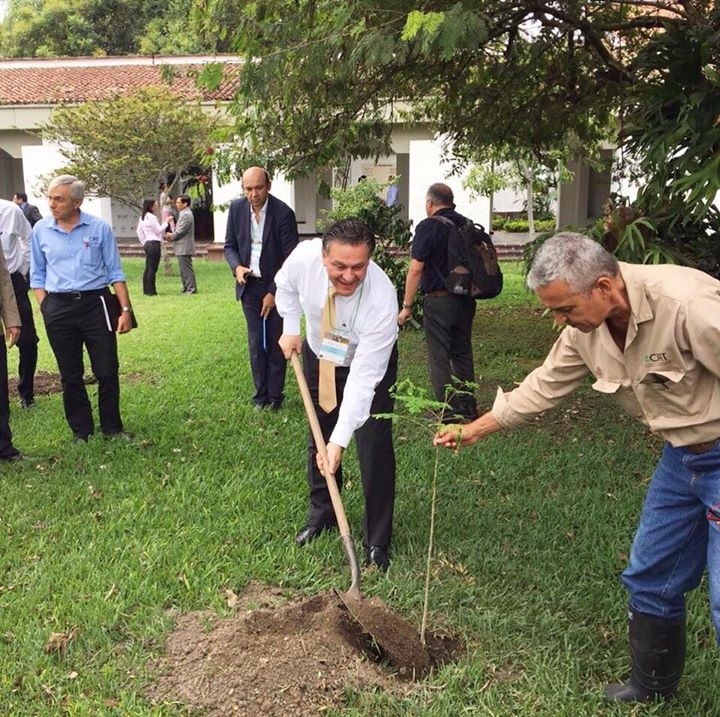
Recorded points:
447,317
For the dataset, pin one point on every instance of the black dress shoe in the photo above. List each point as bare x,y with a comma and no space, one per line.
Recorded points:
27,402
13,457
377,555
307,534
275,406
80,438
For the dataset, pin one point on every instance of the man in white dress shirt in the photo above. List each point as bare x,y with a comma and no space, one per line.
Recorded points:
335,277
15,232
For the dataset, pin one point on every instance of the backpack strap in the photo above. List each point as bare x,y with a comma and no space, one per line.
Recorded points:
449,223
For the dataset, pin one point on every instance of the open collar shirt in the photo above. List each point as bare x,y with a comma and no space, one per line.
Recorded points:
83,259
257,228
369,314
668,376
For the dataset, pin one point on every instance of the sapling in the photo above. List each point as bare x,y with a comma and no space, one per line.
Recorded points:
414,405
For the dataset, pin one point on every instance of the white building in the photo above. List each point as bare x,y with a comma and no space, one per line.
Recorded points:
30,88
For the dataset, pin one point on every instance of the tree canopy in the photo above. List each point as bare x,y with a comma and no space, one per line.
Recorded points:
49,28
122,147
528,77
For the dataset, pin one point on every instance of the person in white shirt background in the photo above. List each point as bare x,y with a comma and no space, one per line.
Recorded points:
15,232
151,234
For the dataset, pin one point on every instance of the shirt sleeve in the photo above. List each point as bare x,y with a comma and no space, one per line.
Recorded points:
421,247
287,294
140,231
38,264
372,356
111,256
703,329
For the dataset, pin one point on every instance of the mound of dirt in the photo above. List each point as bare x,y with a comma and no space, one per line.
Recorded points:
286,658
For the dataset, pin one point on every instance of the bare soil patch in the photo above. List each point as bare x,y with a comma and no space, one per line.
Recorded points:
277,657
47,382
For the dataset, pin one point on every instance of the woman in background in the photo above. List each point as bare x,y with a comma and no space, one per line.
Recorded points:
150,233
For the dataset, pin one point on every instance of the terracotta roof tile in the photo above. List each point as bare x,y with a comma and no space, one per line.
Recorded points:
45,84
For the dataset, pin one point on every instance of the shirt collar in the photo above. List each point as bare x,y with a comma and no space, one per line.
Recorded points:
83,219
640,308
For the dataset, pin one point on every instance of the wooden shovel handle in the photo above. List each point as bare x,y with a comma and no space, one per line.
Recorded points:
337,503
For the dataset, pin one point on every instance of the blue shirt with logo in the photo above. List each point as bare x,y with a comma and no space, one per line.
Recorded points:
83,259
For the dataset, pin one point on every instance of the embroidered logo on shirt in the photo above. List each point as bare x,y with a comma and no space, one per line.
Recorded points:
658,357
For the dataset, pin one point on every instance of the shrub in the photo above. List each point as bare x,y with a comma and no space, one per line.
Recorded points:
392,232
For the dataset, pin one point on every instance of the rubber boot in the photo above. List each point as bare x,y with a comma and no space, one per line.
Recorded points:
657,655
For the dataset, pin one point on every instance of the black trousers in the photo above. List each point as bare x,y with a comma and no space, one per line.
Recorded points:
447,322
28,341
70,324
152,262
6,445
375,452
267,363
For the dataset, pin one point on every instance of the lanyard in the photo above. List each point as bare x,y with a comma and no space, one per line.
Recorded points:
330,321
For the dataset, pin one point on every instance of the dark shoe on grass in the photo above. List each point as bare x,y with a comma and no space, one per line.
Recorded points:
308,533
378,556
13,457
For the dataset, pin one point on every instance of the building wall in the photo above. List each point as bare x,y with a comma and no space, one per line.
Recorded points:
427,166
417,161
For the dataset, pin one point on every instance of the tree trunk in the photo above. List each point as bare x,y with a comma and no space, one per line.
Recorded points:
529,177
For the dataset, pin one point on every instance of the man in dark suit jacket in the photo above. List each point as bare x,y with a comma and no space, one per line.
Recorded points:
31,212
261,233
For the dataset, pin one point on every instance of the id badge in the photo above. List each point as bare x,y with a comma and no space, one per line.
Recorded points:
337,348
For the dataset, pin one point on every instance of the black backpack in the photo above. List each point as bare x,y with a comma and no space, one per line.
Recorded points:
473,267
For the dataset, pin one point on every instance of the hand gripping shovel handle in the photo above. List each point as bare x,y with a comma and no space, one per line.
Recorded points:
337,504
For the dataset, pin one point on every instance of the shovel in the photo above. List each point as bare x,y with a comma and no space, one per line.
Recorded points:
353,592
394,637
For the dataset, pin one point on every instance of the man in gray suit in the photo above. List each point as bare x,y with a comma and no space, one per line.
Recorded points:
183,239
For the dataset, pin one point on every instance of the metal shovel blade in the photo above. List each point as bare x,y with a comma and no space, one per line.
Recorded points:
394,639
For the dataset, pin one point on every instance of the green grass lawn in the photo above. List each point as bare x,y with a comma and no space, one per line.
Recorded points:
108,541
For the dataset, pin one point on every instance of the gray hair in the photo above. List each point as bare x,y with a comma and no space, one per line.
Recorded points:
574,258
440,195
77,188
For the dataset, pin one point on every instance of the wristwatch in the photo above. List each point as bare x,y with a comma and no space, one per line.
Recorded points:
407,306
126,308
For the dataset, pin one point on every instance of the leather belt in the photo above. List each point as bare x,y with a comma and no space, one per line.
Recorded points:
439,292
76,295
702,447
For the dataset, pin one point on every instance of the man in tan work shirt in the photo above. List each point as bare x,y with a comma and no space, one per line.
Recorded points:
650,335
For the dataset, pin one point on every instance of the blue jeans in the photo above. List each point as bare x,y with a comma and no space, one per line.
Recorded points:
678,536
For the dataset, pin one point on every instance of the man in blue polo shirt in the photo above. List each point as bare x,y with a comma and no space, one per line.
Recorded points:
73,258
